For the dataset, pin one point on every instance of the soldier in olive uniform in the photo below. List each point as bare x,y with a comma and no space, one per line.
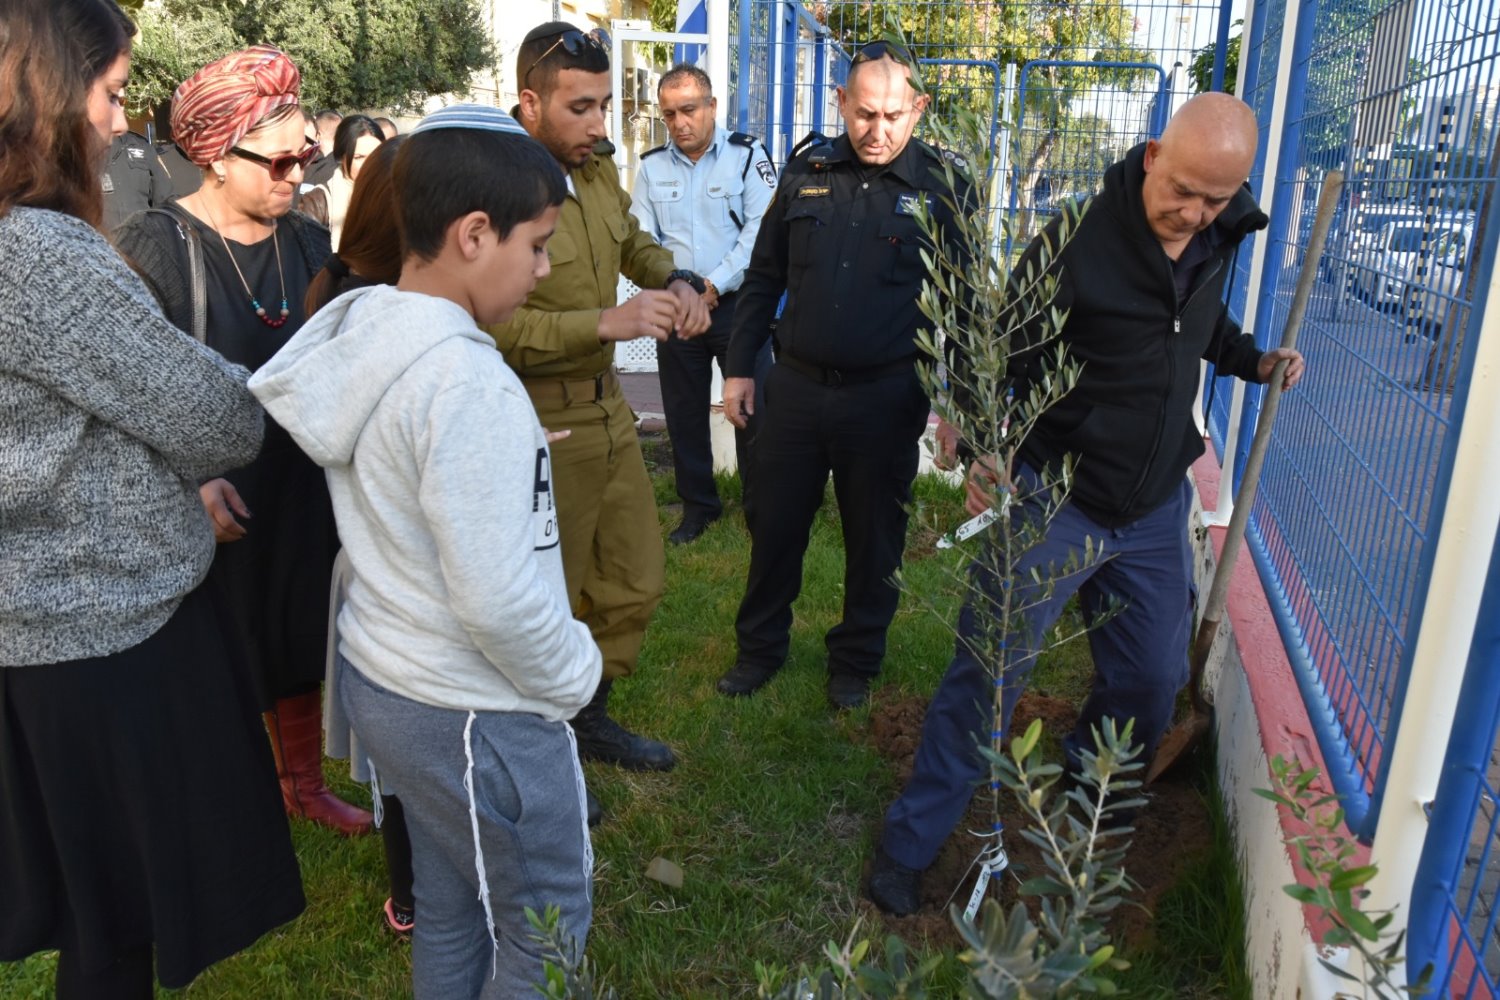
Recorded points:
561,343
134,180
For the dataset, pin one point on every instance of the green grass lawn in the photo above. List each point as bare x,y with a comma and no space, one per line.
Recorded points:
771,814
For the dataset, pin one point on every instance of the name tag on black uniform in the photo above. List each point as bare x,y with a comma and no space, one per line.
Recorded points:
813,192
906,204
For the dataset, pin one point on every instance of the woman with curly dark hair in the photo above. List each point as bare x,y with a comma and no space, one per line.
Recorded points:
138,814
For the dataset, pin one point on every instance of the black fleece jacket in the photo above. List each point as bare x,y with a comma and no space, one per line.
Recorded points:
1129,419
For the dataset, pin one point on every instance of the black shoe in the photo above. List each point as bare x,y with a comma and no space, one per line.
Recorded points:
602,738
595,809
893,887
848,691
745,678
691,527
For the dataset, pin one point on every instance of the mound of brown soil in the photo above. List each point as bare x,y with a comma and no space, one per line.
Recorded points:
1170,832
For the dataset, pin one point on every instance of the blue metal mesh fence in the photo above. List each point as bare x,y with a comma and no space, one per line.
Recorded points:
1453,907
1344,517
1069,86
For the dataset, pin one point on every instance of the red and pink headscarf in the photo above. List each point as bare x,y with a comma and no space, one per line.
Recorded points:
216,106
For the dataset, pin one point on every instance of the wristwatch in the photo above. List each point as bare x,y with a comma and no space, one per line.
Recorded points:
709,286
691,277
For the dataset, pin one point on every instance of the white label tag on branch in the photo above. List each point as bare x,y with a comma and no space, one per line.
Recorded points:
972,526
994,864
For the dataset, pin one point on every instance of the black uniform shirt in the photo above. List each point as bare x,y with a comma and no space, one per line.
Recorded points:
186,176
842,240
133,180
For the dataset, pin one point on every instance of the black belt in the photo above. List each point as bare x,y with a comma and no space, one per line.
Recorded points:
845,376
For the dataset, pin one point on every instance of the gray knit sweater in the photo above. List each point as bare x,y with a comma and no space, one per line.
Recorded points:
109,418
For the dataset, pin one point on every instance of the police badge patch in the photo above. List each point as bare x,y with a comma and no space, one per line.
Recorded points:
766,172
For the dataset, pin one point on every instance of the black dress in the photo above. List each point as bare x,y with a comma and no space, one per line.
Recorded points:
138,805
275,580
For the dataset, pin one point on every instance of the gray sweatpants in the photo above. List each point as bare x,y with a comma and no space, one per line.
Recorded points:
519,841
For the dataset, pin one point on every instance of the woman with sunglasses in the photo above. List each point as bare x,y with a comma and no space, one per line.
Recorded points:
138,823
232,263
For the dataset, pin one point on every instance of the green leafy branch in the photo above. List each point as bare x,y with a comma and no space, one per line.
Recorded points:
1328,853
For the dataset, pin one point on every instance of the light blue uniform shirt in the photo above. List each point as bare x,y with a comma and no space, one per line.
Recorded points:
691,208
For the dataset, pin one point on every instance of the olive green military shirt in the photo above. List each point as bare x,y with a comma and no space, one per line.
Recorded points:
556,333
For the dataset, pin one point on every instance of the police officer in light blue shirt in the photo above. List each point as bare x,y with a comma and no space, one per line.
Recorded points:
702,196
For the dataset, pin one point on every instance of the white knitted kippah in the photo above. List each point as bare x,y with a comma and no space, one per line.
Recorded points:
477,116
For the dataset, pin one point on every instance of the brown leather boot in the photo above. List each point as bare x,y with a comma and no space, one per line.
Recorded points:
296,728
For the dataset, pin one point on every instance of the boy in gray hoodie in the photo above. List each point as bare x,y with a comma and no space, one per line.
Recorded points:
459,657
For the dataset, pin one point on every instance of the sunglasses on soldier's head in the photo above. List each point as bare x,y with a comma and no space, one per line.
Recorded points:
573,42
880,50
280,166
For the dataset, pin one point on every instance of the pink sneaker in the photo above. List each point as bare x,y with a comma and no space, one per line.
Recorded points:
400,919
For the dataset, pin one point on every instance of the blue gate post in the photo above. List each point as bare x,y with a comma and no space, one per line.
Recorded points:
820,79
1288,160
742,93
1221,389
1221,45
1463,785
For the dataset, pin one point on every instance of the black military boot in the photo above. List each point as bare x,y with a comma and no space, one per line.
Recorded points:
602,738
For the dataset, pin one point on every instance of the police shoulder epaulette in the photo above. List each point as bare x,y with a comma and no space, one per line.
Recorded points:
813,140
944,156
604,148
742,139
653,150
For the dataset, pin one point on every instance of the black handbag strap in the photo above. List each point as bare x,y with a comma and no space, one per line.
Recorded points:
197,269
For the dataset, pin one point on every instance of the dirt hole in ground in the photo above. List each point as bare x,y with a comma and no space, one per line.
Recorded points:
1171,832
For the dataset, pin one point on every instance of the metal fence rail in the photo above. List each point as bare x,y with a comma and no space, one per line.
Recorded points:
1456,898
1068,86
1345,512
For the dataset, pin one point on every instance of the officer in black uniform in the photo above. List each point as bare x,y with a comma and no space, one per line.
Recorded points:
134,180
185,175
842,239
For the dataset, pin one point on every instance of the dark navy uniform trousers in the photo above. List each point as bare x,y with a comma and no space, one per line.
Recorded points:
684,368
1140,660
866,433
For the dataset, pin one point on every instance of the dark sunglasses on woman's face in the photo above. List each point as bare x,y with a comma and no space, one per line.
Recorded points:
573,42
280,166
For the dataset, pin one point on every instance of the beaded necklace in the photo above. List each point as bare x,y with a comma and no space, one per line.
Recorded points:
260,310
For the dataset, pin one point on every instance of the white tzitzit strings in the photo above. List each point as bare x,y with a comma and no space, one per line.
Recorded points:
583,811
484,882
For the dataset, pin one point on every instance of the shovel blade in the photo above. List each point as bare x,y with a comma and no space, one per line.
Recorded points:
1180,739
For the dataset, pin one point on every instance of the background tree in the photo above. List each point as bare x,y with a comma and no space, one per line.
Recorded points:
1201,69
1091,37
386,54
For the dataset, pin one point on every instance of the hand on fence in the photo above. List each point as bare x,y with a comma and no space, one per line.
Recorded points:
222,501
739,400
1294,369
645,314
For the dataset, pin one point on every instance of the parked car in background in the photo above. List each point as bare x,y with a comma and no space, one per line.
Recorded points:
1382,273
1438,302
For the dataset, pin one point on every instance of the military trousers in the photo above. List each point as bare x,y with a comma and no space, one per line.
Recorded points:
612,553
866,434
1140,659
